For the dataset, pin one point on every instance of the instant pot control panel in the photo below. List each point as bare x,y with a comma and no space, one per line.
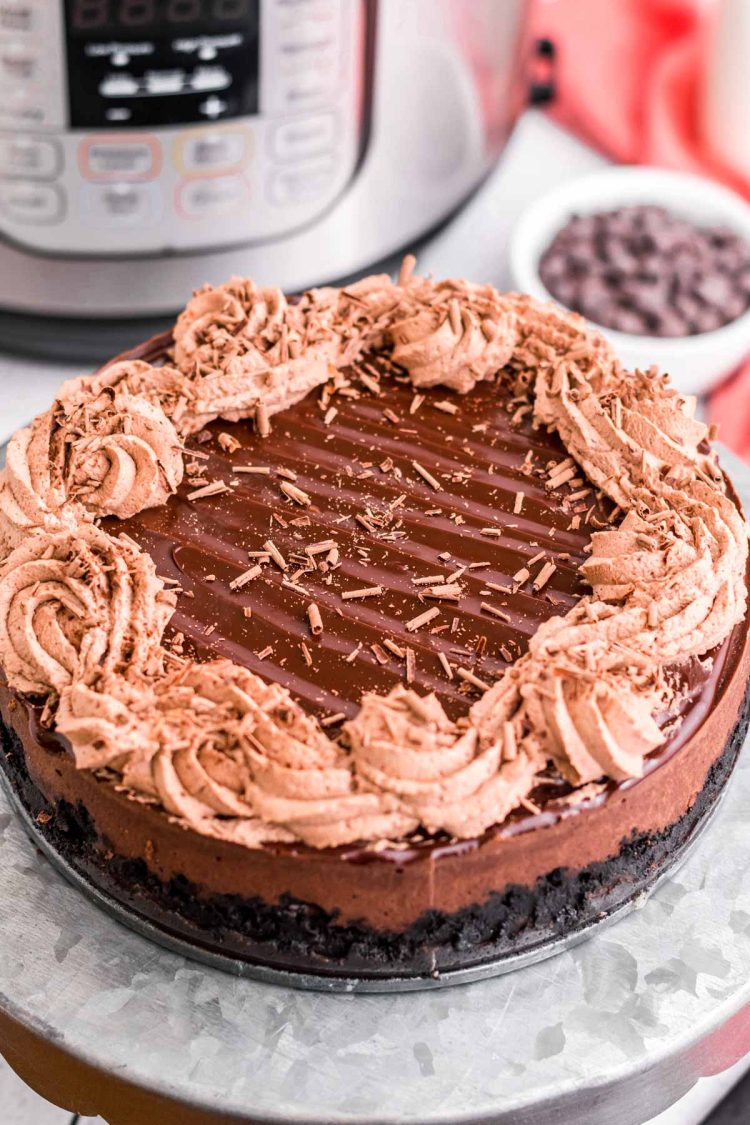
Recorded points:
148,126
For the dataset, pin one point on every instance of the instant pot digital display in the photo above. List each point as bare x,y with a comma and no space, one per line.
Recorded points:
135,63
113,15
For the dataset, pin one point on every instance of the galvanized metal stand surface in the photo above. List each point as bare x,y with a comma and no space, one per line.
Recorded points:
612,1030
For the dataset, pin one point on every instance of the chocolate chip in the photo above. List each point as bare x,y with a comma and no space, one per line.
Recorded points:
715,289
555,265
627,320
669,322
687,306
707,320
640,269
734,306
723,236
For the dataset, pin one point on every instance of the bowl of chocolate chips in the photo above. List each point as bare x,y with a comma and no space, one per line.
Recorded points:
659,260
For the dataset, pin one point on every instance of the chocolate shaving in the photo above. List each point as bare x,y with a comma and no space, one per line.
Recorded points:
363,592
332,720
228,443
422,619
446,407
427,476
275,554
316,621
470,678
321,548
448,590
544,575
262,421
489,608
247,576
295,493
215,488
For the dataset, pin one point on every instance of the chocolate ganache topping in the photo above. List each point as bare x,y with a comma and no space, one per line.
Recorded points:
88,624
372,547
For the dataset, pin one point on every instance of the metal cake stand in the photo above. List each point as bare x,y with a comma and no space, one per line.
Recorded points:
101,1020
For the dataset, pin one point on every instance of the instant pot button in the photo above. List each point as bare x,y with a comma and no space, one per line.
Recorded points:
210,151
31,203
113,159
307,136
125,204
25,17
21,94
28,157
301,184
17,17
119,86
300,89
214,195
20,64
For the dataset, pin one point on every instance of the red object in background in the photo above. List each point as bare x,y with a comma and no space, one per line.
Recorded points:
729,406
628,77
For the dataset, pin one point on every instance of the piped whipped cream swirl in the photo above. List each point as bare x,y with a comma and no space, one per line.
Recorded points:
452,335
97,452
79,606
404,744
225,754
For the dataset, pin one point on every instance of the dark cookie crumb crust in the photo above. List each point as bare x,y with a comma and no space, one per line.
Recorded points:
302,937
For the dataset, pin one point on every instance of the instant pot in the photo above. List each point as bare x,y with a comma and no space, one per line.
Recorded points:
148,146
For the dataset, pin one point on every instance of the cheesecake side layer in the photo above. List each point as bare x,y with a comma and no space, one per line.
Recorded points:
299,936
390,890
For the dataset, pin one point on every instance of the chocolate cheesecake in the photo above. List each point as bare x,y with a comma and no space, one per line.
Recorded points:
390,631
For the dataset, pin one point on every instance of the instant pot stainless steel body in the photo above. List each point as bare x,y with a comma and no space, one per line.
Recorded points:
147,146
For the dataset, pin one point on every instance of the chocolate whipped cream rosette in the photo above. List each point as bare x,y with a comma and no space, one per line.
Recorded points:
387,633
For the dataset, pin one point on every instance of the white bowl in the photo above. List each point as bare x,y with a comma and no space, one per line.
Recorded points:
695,363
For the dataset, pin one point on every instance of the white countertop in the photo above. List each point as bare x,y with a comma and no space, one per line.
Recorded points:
473,245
